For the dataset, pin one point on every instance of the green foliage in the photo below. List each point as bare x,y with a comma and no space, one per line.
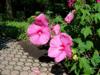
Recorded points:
85,65
86,31
30,20
14,29
98,32
95,58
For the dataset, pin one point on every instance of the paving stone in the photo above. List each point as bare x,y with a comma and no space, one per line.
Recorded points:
12,63
29,60
4,62
22,59
43,69
2,66
36,60
24,73
15,73
5,72
8,58
43,73
20,53
26,68
24,56
17,56
36,64
28,64
29,57
20,63
44,64
1,58
18,68
15,59
4,55
10,67
11,55
25,53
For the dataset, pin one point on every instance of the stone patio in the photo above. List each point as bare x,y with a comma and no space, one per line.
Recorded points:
15,60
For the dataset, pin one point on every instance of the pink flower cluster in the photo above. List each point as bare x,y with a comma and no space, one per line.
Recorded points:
40,33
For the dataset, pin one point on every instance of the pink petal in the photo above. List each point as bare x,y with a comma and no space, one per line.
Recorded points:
55,41
33,28
69,17
68,51
41,20
53,52
56,29
97,1
34,39
60,57
66,39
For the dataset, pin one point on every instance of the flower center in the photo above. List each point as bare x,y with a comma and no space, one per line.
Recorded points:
39,32
62,47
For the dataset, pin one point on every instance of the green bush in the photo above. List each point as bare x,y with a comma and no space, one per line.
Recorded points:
14,29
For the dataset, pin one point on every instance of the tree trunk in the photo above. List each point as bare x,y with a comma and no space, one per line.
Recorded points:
9,9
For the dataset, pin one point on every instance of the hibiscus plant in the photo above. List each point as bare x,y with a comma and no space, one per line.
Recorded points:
73,40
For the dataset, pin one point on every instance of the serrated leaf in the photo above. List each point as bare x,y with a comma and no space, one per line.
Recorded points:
77,40
73,67
98,32
58,19
86,31
97,7
96,58
85,65
89,45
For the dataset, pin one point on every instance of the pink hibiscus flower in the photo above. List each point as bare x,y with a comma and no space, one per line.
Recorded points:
98,1
38,35
70,3
41,20
55,29
60,47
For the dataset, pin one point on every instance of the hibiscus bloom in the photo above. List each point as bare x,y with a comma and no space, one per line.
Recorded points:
98,1
38,35
60,47
55,29
70,3
41,20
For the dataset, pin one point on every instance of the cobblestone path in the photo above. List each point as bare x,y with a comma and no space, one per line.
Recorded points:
15,61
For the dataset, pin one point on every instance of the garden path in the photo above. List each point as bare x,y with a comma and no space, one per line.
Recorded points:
15,60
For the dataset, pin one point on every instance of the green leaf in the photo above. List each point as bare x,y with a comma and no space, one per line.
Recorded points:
58,19
97,7
85,65
89,45
86,31
98,32
96,58
73,67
